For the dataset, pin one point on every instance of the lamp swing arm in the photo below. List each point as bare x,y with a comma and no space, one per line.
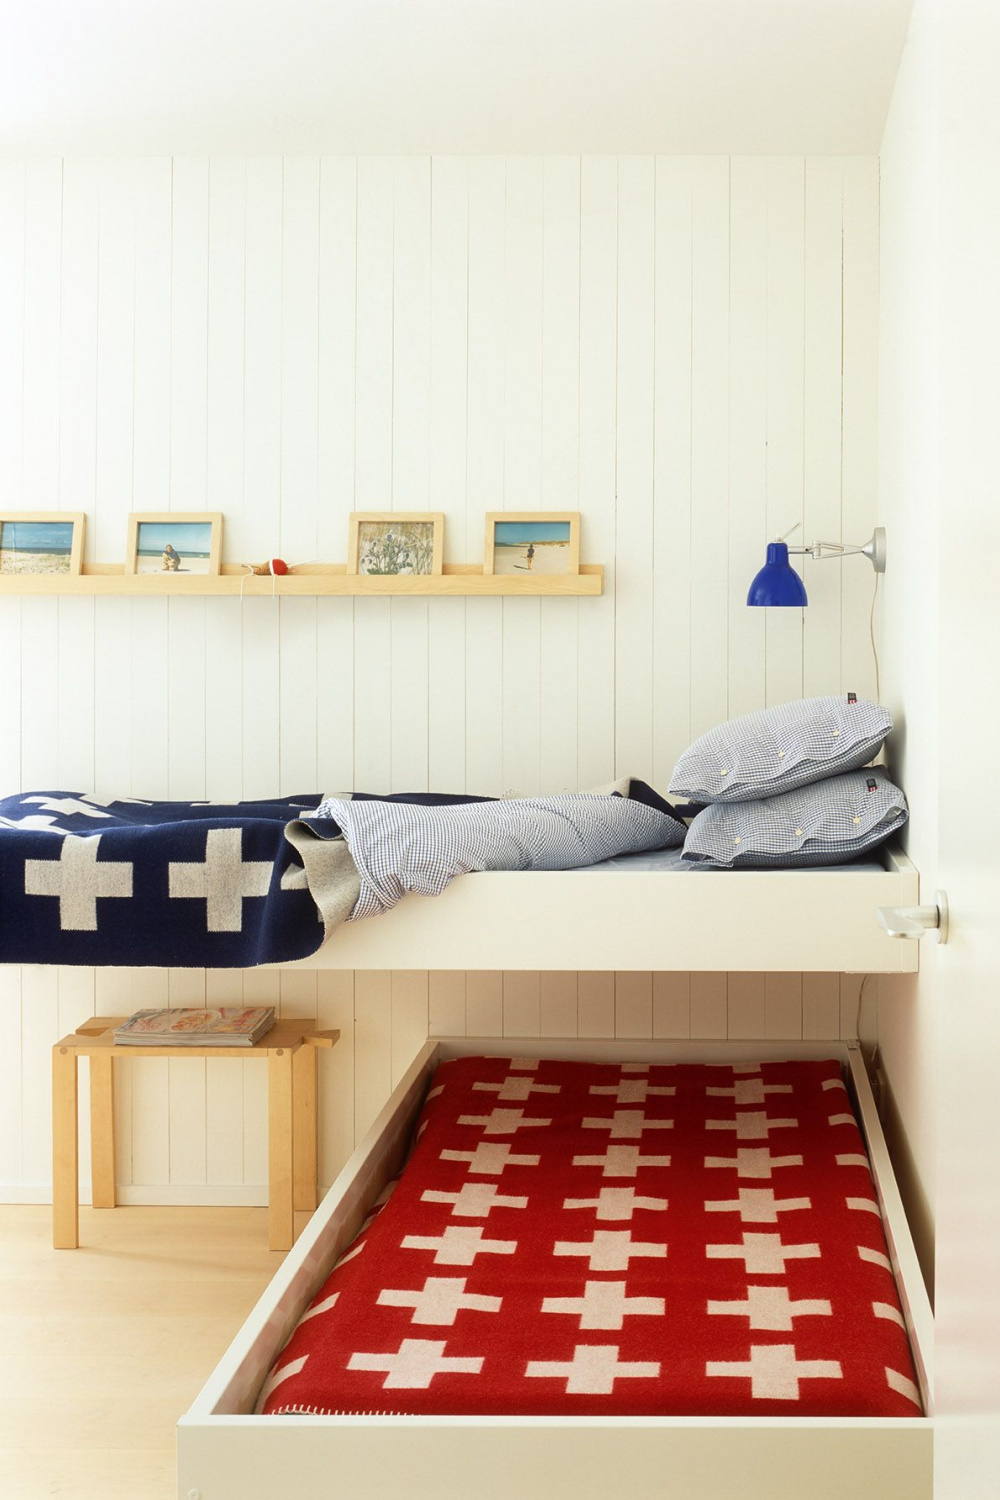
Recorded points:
873,549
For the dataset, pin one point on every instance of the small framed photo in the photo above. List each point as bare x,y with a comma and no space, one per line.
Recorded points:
41,542
169,542
543,543
397,543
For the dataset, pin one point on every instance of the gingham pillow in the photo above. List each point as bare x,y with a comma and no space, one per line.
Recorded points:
826,823
780,748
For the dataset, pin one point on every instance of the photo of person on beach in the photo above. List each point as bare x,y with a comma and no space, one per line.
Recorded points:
174,547
531,547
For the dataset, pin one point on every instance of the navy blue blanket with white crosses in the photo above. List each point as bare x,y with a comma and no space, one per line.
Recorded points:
182,884
152,884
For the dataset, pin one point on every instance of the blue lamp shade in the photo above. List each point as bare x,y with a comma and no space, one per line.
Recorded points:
777,583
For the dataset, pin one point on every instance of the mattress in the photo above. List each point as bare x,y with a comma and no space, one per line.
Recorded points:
615,1239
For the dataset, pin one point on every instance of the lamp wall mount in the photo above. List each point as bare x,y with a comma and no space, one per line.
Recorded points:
873,549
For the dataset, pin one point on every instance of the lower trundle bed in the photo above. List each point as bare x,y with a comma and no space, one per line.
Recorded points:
672,1269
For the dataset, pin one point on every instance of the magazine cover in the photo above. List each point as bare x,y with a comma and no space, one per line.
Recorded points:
226,1024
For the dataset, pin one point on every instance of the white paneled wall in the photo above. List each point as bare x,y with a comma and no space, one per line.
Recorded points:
682,349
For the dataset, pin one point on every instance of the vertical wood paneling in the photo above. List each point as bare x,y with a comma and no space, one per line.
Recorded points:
634,470
337,422
860,407
373,465
485,467
674,529
595,713
748,529
710,478
785,333
682,349
411,349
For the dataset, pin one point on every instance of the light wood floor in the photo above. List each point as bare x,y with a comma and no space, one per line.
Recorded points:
102,1348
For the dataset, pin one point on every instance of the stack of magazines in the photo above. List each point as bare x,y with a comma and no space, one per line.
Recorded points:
223,1026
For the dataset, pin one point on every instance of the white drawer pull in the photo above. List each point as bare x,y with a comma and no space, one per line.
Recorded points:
915,921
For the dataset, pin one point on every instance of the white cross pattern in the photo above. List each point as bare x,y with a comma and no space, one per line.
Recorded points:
627,1124
524,1064
611,1249
593,1370
78,880
842,1120
621,1161
474,1200
875,1258
902,1386
630,1090
490,1158
223,881
66,806
853,1159
750,1125
517,1088
750,1091
415,1364
35,823
753,1161
774,1372
459,1245
771,1309
635,1067
278,1377
604,1305
327,1305
501,1121
439,1301
756,1205
764,1254
617,1203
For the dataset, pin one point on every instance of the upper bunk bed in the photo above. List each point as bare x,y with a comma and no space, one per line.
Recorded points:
644,912
196,885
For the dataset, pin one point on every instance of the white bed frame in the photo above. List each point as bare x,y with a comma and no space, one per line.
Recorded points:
227,1453
625,917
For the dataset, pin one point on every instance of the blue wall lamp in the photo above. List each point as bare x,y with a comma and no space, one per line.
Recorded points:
778,584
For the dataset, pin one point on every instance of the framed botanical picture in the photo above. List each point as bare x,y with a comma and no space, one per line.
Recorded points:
41,542
168,542
546,543
394,543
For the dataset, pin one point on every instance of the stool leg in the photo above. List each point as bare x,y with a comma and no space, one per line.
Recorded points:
304,1126
65,1181
280,1217
102,1130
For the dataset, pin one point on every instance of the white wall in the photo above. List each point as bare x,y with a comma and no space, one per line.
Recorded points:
682,349
909,501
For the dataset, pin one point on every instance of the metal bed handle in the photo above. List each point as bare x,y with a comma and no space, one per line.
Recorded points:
916,921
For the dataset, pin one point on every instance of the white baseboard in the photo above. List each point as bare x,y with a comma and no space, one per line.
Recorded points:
167,1195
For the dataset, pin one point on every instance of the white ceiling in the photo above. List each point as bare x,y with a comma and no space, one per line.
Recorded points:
398,76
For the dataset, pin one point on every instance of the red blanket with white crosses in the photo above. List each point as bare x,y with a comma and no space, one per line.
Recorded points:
605,1239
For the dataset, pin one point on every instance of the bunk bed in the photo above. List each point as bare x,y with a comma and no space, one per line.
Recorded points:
644,912
227,1451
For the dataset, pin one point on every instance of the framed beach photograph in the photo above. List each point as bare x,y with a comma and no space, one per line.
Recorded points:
397,543
545,543
41,542
169,542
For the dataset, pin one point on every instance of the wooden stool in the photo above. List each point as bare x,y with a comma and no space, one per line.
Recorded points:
290,1049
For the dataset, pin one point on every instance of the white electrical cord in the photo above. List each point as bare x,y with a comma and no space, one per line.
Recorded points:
857,1014
871,637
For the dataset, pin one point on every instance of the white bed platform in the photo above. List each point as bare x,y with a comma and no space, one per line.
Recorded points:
227,1453
644,912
